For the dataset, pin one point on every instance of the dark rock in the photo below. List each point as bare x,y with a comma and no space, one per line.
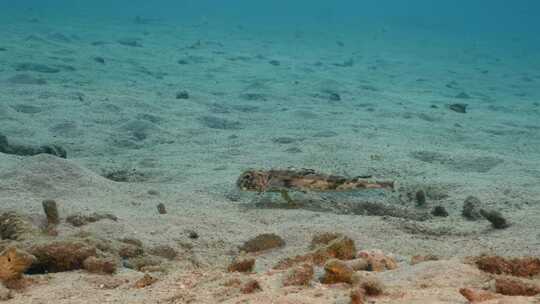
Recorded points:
463,95
51,212
495,218
263,242
458,107
193,235
471,208
182,95
161,208
99,60
183,61
2,49
420,197
26,80
439,211
35,67
214,122
274,62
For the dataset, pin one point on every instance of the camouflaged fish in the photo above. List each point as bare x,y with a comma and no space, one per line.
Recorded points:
304,180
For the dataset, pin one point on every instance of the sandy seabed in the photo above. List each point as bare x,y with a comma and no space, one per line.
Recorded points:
181,111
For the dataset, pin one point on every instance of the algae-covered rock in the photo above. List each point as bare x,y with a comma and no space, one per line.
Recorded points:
263,242
242,264
13,263
300,275
342,248
99,265
58,256
16,227
337,271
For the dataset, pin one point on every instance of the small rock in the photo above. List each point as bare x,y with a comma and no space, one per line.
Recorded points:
60,256
145,281
495,218
300,275
478,295
337,271
521,267
342,248
251,286
98,265
99,60
439,211
420,197
274,62
263,242
182,95
358,295
377,260
161,208
516,287
471,208
51,212
193,235
458,107
242,264
13,263
369,282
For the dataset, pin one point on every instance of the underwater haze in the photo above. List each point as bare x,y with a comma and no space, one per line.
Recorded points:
173,137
